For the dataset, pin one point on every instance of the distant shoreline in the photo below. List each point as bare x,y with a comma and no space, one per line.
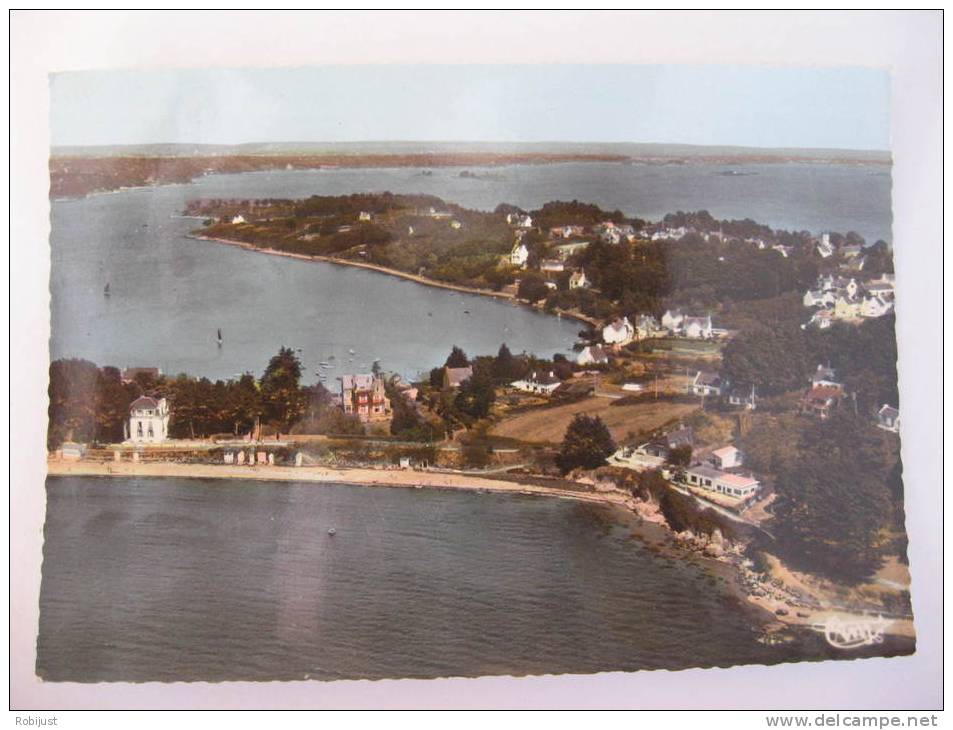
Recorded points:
390,272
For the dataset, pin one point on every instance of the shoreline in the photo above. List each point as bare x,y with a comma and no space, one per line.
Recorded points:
397,478
416,278
637,517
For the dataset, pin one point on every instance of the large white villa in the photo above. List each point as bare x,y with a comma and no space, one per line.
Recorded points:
148,420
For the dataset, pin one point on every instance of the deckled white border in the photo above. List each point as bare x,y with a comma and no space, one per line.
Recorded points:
909,43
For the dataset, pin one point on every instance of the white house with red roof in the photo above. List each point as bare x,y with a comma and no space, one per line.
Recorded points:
148,420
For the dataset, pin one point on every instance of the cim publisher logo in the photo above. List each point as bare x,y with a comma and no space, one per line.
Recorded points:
852,632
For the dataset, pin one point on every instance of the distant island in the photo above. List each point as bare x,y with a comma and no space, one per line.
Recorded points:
78,171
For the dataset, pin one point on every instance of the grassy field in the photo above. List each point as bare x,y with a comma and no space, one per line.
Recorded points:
548,425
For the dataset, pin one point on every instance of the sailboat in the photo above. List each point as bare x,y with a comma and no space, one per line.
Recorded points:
106,290
220,338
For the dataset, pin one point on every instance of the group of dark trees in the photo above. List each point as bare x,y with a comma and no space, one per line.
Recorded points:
839,500
782,358
91,404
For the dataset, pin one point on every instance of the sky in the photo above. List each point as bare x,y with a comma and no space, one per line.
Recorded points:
752,106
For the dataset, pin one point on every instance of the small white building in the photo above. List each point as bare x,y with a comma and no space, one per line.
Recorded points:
519,255
888,418
579,280
672,320
706,384
731,485
543,384
875,306
697,328
236,219
620,332
148,421
363,216
520,220
593,355
727,457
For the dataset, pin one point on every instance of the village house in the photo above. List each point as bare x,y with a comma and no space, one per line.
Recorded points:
714,480
825,375
818,298
619,332
743,398
727,457
519,255
697,328
438,214
821,319
888,418
672,320
663,445
647,326
72,451
236,219
565,250
851,250
566,231
363,216
520,220
845,308
541,384
824,247
635,459
552,265
875,306
148,420
706,384
593,355
670,233
456,225
821,400
879,288
363,395
578,280
785,251
455,377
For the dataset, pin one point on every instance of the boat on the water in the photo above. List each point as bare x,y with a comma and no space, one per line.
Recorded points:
332,532
106,290
220,340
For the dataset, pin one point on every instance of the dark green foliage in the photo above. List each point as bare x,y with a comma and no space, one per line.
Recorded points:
476,395
586,444
775,359
532,288
834,501
457,358
282,399
680,455
559,213
505,367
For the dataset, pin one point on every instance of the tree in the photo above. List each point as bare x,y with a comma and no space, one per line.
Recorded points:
504,366
73,401
586,444
282,399
532,288
457,358
476,395
680,455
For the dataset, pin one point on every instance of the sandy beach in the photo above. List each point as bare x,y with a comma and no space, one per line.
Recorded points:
406,478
